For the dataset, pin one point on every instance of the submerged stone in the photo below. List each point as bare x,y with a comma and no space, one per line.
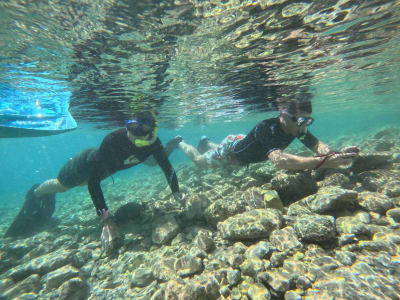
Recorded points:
74,289
330,198
293,187
141,277
188,265
285,239
253,224
260,250
315,228
375,202
165,230
58,277
30,284
258,291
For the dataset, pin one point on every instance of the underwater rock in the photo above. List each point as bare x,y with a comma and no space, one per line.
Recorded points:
163,270
188,265
30,284
206,287
298,208
277,258
235,260
196,252
386,133
384,145
233,277
392,189
315,228
239,248
257,291
346,258
293,187
253,224
377,246
295,9
285,239
330,198
278,280
352,225
377,180
58,277
337,287
345,239
374,202
294,267
272,200
175,289
41,265
74,289
394,214
252,266
260,250
371,161
292,295
165,230
195,206
222,209
141,277
337,179
253,198
179,239
250,182
324,263
129,212
204,241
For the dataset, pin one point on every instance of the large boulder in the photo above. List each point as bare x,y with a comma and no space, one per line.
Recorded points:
285,239
372,161
253,224
293,187
166,228
222,209
330,198
375,202
315,228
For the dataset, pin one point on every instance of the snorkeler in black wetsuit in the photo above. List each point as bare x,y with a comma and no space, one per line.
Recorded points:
268,139
121,149
265,137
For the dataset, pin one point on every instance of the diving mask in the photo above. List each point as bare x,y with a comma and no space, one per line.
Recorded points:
141,129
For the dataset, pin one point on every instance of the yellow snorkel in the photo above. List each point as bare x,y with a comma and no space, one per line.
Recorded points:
143,143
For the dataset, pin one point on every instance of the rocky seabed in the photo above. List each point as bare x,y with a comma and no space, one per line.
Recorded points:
253,233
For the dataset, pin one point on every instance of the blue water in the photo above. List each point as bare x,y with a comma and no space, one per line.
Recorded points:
206,69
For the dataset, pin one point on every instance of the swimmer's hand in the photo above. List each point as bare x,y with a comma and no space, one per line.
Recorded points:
179,196
111,238
339,159
351,149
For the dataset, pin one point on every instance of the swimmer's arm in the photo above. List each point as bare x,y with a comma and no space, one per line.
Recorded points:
314,144
282,160
321,148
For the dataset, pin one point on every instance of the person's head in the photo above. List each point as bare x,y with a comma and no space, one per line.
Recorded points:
295,116
142,128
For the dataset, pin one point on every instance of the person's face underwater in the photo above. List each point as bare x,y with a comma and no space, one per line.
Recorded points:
296,124
141,134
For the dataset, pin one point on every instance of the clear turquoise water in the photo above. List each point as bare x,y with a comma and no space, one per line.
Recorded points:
208,69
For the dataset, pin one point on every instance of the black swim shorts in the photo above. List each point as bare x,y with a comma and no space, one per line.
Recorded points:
77,169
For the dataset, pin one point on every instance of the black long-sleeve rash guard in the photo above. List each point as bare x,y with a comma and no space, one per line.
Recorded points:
116,153
264,138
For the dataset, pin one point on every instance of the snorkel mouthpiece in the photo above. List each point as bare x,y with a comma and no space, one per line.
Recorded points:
142,143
